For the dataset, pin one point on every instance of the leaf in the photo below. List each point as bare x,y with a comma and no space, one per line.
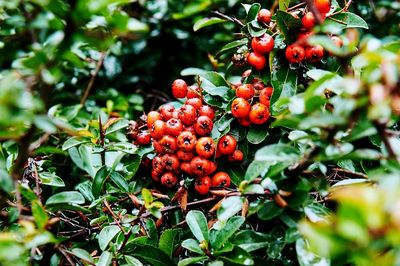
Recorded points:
106,235
316,212
232,45
221,91
118,125
220,237
105,259
192,245
192,260
69,197
215,78
82,254
284,4
119,180
250,240
256,135
98,181
307,258
252,12
255,169
6,183
275,153
168,240
287,23
74,141
132,261
229,207
39,213
51,179
193,71
351,20
197,223
238,256
269,210
150,254
205,22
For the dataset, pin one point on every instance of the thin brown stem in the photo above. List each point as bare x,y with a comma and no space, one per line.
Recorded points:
93,78
233,19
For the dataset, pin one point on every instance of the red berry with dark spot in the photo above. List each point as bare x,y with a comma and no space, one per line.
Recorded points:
157,163
193,92
158,129
167,111
143,137
169,144
205,147
185,156
155,175
169,179
200,166
240,108
170,162
245,91
258,61
263,44
244,121
314,53
203,125
173,127
227,145
187,114
236,156
179,88
265,95
186,141
221,179
158,148
186,168
202,185
259,114
295,53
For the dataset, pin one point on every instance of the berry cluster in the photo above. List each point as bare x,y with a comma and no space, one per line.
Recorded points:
300,50
182,143
252,103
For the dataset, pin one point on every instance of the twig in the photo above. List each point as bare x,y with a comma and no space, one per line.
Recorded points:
116,219
381,128
66,255
92,79
38,142
295,6
233,19
344,9
314,11
340,170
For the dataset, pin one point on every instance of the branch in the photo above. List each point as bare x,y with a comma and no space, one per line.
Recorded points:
92,79
233,19
384,135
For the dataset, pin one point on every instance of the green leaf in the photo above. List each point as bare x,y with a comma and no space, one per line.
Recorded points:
229,207
120,124
218,238
192,260
256,135
275,153
168,240
284,4
269,210
252,12
238,256
132,261
51,179
288,24
101,176
307,258
197,223
68,197
232,45
39,213
106,235
215,78
82,254
119,180
6,183
351,20
192,245
250,240
221,91
255,169
205,22
150,254
74,141
105,259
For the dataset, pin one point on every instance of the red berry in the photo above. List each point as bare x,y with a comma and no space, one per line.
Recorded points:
265,95
158,129
245,121
169,179
221,179
295,53
186,168
245,91
259,114
185,156
256,60
323,6
314,53
227,145
200,166
202,185
193,92
152,117
186,141
155,175
240,108
236,156
206,110
263,44
205,147
187,114
169,144
158,148
167,111
308,21
179,88
143,138
195,102
264,16
173,127
170,162
157,163
203,125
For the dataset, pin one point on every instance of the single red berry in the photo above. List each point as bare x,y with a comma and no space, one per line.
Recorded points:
337,41
227,144
169,144
186,141
213,167
308,21
200,166
186,168
195,102
187,114
323,6
170,162
295,53
173,127
263,44
259,114
155,175
194,91
240,108
202,185
143,138
245,91
152,117
264,16
169,179
205,147
158,148
203,125
314,53
157,163
158,129
167,111
206,110
244,121
179,88
185,156
265,95
236,156
258,61
221,179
